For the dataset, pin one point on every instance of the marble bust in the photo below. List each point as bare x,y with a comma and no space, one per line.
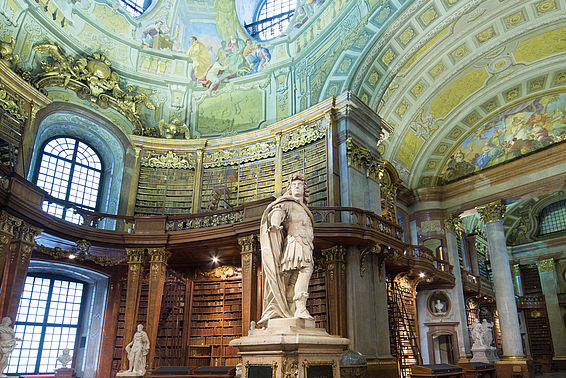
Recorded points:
286,238
137,351
7,343
65,357
439,307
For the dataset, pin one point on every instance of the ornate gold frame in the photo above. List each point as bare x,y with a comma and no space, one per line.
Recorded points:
273,368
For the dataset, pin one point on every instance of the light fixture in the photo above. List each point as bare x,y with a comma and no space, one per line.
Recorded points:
422,275
214,259
72,256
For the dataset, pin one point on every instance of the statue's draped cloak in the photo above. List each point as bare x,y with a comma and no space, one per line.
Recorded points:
275,303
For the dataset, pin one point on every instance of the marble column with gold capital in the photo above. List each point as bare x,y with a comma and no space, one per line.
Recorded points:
453,227
549,284
492,215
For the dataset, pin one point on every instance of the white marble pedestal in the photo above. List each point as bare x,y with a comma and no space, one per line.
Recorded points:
291,345
485,354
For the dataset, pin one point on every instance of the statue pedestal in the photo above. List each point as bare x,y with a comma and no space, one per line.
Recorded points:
484,354
291,345
65,373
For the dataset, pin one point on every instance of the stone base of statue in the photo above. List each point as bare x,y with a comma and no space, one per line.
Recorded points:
291,346
129,374
485,354
65,373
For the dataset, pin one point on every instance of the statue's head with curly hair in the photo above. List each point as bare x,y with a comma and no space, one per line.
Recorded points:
296,184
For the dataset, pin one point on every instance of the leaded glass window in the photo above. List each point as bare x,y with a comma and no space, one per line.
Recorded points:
69,170
553,218
47,322
134,7
272,19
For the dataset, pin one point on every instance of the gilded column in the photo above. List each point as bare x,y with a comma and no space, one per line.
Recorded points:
250,256
335,261
492,215
157,275
198,182
16,263
278,166
133,289
453,227
550,290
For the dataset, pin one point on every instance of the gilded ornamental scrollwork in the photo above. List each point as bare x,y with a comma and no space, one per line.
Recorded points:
167,160
11,106
289,368
136,255
160,255
492,212
305,134
81,252
223,272
364,161
94,79
453,223
7,55
546,265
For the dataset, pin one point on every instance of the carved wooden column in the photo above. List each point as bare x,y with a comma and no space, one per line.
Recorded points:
250,256
157,275
6,235
335,260
135,270
16,265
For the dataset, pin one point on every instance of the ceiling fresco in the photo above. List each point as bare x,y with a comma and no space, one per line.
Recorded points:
446,74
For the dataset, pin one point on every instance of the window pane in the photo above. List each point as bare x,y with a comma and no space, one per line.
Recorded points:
277,15
553,218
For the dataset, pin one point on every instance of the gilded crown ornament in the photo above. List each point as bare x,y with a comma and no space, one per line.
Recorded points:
492,212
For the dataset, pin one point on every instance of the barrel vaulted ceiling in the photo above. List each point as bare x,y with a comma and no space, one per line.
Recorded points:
450,76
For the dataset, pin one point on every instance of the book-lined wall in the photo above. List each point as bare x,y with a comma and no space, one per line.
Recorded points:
120,324
174,183
316,304
215,320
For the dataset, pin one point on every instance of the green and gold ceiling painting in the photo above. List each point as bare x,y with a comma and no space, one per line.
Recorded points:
519,130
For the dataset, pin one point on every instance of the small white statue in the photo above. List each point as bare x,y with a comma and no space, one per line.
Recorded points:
239,370
137,350
439,307
65,358
476,333
7,343
252,328
487,332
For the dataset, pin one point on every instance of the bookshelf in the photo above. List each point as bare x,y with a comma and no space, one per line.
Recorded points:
216,319
316,304
164,191
120,326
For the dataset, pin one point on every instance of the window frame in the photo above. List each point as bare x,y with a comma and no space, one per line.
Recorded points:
44,325
101,182
257,19
539,219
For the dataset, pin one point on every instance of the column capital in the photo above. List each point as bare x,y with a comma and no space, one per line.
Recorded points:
160,255
248,243
492,212
516,270
136,255
336,253
453,223
546,265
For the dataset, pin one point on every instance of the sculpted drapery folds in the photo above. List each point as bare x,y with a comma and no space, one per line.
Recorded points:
286,238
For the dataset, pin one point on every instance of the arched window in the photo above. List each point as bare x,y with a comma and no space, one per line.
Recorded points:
135,7
553,218
272,19
69,170
47,322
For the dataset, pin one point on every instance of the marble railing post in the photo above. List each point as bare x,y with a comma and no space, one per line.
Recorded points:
133,289
250,256
492,215
16,256
548,282
157,276
453,226
335,262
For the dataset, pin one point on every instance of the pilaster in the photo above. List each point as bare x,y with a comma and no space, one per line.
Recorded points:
453,227
550,290
133,289
335,262
250,256
157,275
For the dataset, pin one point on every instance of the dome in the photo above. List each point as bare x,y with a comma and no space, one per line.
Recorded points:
352,358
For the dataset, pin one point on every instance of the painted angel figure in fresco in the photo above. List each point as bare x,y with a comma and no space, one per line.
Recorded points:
286,237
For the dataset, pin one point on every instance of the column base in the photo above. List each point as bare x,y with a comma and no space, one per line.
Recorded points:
515,366
383,367
464,358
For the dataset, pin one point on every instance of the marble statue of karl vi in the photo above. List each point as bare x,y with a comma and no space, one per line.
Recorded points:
286,238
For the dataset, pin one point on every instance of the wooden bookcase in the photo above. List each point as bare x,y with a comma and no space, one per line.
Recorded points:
164,191
215,320
316,304
120,326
